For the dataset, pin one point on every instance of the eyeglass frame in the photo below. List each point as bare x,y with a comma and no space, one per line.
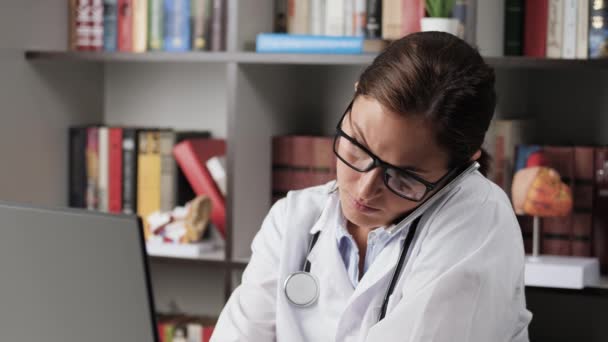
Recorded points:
377,162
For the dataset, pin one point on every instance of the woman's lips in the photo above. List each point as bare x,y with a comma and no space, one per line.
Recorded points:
360,206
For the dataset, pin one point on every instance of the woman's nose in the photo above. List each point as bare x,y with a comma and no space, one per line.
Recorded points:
370,183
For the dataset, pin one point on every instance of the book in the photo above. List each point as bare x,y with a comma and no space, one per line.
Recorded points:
115,168
218,25
125,25
508,134
102,180
183,190
392,19
373,22
156,21
85,25
177,25
359,18
130,146
600,215
536,24
167,171
201,14
287,43
334,17
298,17
148,173
570,26
514,27
489,27
598,29
582,30
140,25
77,178
317,17
413,12
110,25
555,28
181,250
191,156
92,154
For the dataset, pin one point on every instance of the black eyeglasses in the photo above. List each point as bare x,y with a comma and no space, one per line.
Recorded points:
401,182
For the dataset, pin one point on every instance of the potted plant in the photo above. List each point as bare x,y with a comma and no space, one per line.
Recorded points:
438,18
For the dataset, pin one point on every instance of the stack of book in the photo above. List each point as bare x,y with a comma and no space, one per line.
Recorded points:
147,25
183,328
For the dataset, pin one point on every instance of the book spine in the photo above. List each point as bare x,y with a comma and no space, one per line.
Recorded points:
334,18
317,17
555,28
570,24
600,215
582,30
92,166
412,11
81,24
110,25
598,29
102,185
360,18
115,170
278,42
218,25
155,25
148,173
459,12
582,196
125,25
97,25
200,23
77,167
490,27
177,25
373,27
391,19
349,20
140,25
217,168
536,25
470,30
514,27
298,19
129,170
167,171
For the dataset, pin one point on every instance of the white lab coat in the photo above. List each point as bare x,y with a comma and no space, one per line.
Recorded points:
463,280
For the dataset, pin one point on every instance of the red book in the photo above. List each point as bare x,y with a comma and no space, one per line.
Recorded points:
535,28
207,332
412,12
125,25
600,208
191,156
115,170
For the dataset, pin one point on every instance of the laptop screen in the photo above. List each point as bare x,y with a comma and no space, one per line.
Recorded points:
73,275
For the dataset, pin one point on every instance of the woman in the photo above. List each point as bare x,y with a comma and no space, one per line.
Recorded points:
417,119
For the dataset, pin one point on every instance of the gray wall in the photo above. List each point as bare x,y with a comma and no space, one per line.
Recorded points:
38,101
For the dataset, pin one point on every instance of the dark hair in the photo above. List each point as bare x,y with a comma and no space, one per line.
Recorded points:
441,78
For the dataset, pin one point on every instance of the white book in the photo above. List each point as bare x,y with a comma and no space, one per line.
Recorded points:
104,170
298,19
490,28
196,250
217,168
317,17
392,21
582,30
555,28
570,25
349,11
334,17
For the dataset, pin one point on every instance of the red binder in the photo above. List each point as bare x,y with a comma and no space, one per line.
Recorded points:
191,156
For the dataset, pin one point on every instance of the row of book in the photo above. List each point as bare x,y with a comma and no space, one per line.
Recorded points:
145,170
300,161
147,25
183,328
573,29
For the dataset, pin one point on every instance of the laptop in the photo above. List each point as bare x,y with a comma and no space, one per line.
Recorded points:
69,275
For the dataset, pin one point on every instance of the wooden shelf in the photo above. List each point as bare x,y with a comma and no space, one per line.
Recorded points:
290,59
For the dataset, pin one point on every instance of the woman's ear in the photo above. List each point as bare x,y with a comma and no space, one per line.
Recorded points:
476,155
356,85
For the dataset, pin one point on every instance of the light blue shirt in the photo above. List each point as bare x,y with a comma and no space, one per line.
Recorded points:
377,239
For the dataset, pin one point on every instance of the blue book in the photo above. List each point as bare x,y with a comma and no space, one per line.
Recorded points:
177,25
291,43
110,23
598,29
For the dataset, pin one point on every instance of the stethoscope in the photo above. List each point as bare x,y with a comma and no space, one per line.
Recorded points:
302,288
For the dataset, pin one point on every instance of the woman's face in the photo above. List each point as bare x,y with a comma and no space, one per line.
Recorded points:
402,141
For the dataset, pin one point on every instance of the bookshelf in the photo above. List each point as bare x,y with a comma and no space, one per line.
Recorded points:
246,98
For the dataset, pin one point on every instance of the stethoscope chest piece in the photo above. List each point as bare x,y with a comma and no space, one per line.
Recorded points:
301,288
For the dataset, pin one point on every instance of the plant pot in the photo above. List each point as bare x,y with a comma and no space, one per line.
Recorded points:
449,25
